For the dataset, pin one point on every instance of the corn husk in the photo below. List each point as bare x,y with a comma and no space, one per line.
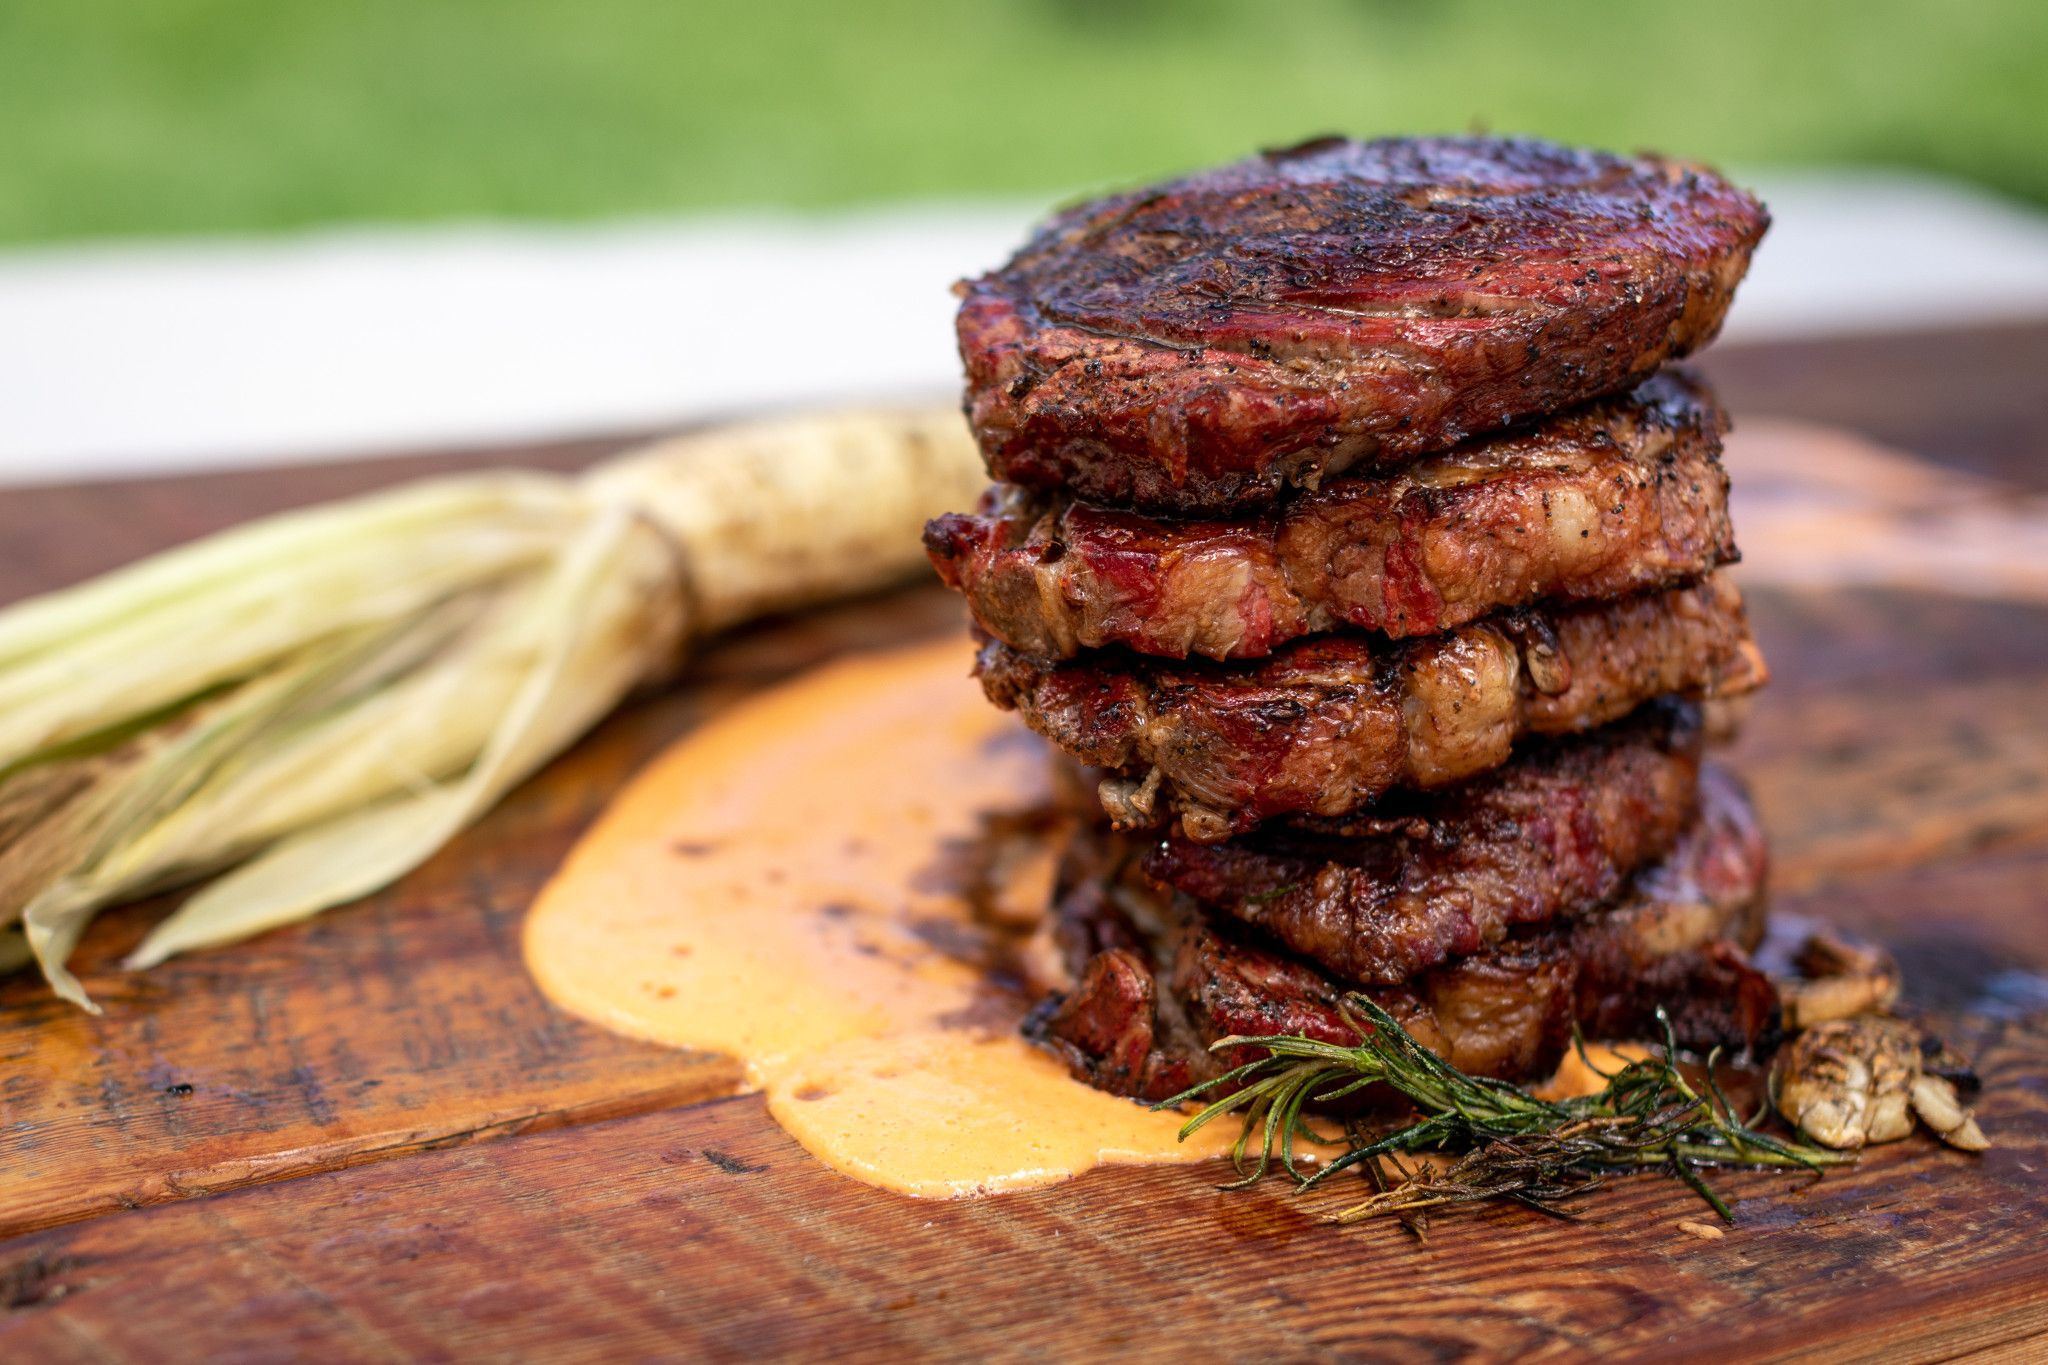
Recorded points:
313,705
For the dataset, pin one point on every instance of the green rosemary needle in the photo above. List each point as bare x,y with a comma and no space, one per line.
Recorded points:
1511,1145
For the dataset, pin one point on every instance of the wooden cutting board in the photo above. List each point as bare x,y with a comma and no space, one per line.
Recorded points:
281,1149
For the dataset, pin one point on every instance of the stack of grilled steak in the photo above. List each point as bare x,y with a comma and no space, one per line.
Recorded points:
1348,525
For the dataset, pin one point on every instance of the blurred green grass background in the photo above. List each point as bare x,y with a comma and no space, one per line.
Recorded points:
128,117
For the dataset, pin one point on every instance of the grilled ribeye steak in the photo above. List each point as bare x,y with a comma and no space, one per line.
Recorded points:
1200,344
1431,876
1157,981
1329,724
1613,498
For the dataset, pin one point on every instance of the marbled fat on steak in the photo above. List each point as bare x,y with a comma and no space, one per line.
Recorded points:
1156,981
1426,877
1329,724
1621,496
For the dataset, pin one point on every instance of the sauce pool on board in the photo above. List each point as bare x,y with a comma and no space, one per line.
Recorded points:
785,886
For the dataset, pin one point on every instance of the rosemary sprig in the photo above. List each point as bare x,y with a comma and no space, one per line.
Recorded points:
1511,1144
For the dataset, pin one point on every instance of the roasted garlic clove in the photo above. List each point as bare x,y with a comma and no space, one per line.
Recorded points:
1849,1082
1841,980
1934,1100
1852,1082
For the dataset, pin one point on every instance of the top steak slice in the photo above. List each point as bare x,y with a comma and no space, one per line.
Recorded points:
1201,344
1621,495
1329,724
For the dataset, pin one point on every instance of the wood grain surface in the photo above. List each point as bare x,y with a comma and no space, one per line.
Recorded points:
303,1112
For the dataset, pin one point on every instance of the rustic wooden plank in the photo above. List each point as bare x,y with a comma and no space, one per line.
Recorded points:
1899,728
663,1256
54,535
1888,777
706,1233
409,1021
1968,397
1897,759
1973,930
401,1023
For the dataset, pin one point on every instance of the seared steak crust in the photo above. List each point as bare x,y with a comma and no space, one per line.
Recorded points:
1438,875
1610,499
1331,723
1201,344
1139,1020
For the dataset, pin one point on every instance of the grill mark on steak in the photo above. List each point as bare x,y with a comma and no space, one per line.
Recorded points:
1623,495
1329,724
1139,1020
1199,345
1433,876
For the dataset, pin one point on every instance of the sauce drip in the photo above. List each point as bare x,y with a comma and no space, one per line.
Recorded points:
786,885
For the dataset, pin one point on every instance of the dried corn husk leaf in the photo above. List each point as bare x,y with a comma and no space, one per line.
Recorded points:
586,632
79,662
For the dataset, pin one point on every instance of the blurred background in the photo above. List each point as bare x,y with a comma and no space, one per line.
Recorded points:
236,230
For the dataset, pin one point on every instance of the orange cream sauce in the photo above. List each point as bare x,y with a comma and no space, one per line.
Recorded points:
1576,1078
785,886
